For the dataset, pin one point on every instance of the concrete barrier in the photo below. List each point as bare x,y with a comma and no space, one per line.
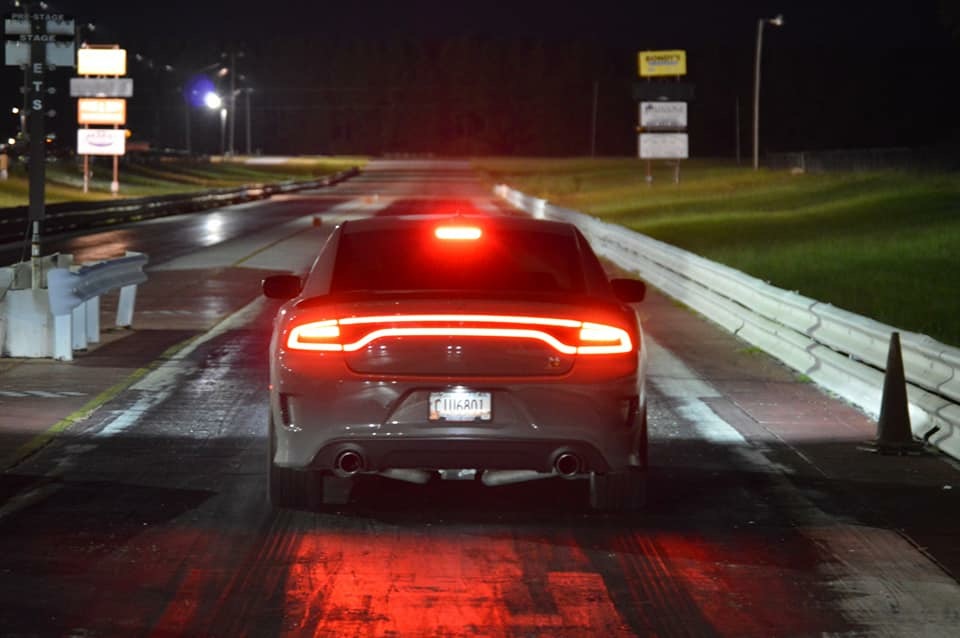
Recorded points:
841,351
62,313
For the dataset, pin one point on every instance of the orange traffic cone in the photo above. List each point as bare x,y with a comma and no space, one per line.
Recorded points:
894,434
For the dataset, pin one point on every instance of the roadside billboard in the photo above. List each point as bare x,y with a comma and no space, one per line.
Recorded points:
663,115
662,63
655,146
102,111
101,141
91,61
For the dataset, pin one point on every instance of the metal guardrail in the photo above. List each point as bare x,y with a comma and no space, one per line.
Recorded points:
69,288
72,216
841,351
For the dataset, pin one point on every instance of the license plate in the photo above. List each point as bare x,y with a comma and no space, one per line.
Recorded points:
460,405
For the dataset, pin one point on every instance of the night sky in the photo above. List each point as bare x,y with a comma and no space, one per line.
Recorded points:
518,77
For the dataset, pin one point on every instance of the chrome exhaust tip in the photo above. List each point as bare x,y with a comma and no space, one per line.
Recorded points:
567,465
348,463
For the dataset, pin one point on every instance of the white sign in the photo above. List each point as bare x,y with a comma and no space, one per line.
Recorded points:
102,111
663,146
101,87
663,115
101,61
101,141
60,50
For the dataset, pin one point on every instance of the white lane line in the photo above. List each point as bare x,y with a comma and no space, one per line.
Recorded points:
674,379
159,384
43,394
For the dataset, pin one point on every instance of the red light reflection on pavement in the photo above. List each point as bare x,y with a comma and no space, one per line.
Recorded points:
475,581
416,586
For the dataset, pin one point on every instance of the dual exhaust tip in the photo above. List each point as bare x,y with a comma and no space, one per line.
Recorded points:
349,462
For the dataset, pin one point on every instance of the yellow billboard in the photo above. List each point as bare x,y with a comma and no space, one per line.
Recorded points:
661,63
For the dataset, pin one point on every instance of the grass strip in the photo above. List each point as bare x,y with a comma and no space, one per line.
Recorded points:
885,245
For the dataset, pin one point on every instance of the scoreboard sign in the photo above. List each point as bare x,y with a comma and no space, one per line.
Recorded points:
102,111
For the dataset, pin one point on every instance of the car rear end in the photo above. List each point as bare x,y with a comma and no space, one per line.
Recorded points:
488,347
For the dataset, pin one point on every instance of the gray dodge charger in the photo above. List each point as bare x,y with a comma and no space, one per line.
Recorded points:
487,348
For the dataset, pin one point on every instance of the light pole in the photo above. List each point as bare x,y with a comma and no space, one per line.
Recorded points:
215,103
777,22
223,130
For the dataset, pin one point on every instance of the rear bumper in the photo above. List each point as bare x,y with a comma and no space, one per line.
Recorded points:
386,423
439,454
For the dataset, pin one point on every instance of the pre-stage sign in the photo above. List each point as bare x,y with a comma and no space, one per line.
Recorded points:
101,141
55,31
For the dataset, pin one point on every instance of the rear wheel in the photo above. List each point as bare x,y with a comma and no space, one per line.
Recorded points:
295,489
285,487
624,491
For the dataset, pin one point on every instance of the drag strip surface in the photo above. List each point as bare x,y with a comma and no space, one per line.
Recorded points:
149,516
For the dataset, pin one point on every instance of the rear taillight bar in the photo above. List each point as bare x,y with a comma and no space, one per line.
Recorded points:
590,338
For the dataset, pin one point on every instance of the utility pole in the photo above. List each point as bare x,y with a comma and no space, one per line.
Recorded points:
249,143
777,22
232,102
593,119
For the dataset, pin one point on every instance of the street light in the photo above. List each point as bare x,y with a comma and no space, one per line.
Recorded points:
196,89
777,22
214,102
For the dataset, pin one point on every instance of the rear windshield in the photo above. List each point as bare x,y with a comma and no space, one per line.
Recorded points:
411,259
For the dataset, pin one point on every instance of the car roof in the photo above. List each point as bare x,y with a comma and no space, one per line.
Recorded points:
505,222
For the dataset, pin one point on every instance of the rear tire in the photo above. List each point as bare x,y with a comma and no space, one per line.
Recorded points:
285,487
299,489
624,491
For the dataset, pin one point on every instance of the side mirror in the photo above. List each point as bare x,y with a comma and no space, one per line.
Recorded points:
282,286
629,290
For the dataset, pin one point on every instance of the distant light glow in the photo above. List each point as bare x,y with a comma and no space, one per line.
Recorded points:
212,101
196,90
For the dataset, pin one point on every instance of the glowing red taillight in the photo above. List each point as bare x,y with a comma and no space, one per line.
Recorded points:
598,338
567,336
318,335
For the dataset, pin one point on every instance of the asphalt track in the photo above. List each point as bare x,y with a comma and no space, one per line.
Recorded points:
132,498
